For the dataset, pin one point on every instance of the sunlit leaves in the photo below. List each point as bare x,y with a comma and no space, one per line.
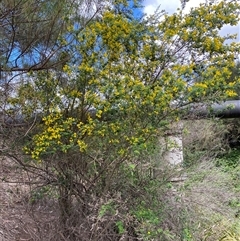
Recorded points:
131,76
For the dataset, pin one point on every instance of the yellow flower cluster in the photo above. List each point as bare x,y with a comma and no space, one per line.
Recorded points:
67,69
231,93
131,74
201,85
82,145
58,135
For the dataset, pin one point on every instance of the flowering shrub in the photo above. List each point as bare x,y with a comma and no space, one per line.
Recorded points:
127,82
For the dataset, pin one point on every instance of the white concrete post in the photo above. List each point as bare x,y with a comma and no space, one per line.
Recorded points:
173,153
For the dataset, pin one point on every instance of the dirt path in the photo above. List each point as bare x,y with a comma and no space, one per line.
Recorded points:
15,221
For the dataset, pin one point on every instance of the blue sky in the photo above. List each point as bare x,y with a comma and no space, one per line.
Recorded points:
171,6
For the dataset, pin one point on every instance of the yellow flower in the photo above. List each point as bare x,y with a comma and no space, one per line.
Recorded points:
82,145
99,113
231,84
231,93
201,85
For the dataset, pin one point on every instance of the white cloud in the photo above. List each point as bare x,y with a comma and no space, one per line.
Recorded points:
169,5
192,4
151,5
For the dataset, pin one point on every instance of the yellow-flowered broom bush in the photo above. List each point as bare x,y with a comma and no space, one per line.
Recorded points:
127,81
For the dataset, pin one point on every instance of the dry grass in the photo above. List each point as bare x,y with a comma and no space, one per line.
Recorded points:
19,219
204,197
208,191
203,140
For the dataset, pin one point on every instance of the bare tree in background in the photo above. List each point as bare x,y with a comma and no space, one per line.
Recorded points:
34,34
183,2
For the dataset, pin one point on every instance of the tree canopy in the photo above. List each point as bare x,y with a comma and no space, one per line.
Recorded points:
35,34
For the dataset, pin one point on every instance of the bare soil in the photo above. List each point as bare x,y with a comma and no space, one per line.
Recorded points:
19,220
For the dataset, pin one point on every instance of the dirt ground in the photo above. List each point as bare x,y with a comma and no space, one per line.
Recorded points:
19,220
